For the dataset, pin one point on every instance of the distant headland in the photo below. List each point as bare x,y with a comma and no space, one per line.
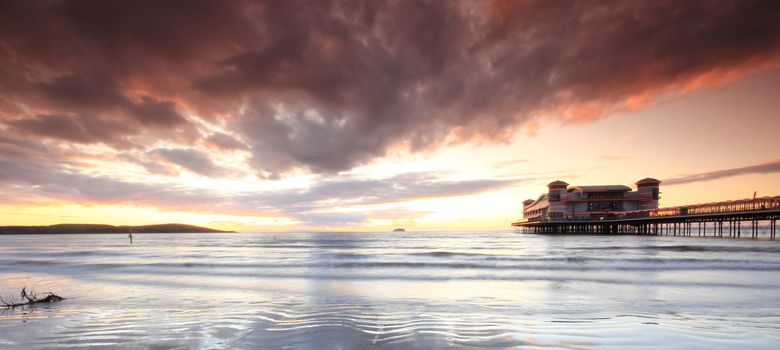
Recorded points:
99,228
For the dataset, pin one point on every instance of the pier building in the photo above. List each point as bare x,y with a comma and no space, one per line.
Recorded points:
616,209
563,202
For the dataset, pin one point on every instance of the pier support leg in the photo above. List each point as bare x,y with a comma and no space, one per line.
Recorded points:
739,228
754,229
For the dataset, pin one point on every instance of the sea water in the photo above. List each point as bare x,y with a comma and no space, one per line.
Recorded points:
410,290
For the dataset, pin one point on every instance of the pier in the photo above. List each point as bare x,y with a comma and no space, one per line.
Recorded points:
735,219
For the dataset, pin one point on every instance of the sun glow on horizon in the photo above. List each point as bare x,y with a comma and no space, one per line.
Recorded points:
360,129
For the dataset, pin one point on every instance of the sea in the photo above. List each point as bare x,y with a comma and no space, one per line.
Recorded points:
391,290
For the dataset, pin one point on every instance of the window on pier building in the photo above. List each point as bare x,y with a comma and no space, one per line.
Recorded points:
602,206
604,195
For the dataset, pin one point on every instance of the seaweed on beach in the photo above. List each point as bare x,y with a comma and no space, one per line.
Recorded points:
29,298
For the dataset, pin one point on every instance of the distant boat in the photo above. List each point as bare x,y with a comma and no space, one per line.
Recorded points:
399,230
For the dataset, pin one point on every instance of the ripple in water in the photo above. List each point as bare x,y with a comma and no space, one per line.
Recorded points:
391,291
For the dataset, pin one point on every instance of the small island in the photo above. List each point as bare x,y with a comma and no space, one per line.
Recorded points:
399,230
99,228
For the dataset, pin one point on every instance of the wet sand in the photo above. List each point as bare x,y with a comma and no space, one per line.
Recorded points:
392,290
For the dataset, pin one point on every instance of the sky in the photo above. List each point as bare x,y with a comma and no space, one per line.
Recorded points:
371,115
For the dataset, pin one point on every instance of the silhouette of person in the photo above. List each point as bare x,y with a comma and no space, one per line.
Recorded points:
131,237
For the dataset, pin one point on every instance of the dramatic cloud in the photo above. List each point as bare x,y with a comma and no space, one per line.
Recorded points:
765,168
75,129
224,142
190,159
37,181
107,102
33,181
327,85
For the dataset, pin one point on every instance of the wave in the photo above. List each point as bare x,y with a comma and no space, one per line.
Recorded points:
487,263
691,248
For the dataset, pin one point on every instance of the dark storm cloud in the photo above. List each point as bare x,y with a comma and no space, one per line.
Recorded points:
77,92
328,85
131,61
76,129
155,112
764,168
100,95
379,74
93,110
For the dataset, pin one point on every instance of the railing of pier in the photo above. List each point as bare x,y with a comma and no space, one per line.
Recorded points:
736,206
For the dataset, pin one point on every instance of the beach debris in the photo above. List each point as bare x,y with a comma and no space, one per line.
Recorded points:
29,298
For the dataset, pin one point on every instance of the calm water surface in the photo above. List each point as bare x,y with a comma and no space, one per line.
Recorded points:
392,291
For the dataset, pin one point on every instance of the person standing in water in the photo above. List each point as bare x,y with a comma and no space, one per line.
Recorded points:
131,237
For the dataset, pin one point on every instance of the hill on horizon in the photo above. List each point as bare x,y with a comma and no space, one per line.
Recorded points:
103,228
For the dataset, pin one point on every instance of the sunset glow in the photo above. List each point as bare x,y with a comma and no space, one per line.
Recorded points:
254,116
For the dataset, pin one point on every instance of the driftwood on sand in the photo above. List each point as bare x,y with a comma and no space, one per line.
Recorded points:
29,298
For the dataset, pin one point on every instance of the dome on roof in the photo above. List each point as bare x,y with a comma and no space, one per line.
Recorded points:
557,183
528,201
648,180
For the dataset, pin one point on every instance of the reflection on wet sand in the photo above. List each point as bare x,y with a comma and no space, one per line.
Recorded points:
401,290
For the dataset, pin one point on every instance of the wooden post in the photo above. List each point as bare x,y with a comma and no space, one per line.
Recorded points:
739,228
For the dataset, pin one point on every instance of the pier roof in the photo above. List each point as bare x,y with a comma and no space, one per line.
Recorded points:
602,188
648,180
541,202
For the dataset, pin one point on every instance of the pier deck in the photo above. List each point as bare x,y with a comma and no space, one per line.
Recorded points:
720,219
